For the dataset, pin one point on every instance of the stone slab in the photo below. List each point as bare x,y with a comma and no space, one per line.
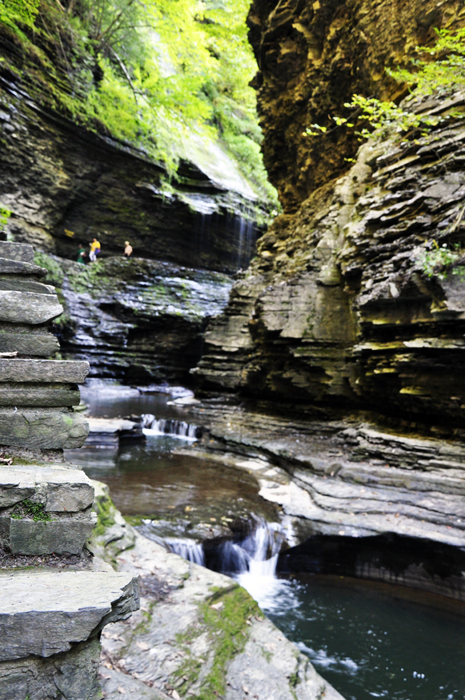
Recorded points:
45,395
44,371
42,429
61,490
14,283
43,345
109,425
16,267
28,307
73,673
56,536
43,613
17,251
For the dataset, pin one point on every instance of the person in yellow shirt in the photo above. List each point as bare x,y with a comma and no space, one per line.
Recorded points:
94,250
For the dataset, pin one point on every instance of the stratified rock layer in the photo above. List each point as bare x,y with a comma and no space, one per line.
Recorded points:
66,185
137,319
337,309
313,57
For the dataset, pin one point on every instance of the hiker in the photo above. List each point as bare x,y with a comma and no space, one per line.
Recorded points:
127,249
81,254
94,250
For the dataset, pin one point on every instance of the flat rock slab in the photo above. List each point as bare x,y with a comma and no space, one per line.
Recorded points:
43,345
23,284
61,490
41,395
43,613
17,251
73,673
109,425
28,307
17,267
65,535
53,371
42,429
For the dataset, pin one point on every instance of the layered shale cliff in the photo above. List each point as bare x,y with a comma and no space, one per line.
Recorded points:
337,308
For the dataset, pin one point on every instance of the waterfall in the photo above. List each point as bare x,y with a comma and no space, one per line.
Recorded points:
188,549
244,235
169,426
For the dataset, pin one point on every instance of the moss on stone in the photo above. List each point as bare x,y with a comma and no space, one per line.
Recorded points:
224,618
105,515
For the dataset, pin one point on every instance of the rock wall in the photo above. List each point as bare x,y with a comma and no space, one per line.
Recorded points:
312,57
338,309
138,320
55,597
65,185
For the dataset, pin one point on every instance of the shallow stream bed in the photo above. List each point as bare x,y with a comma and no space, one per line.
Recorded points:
369,640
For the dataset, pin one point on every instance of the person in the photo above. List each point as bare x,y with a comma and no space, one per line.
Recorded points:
94,250
81,254
127,249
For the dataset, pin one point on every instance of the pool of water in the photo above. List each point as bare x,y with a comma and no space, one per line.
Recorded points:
374,640
368,640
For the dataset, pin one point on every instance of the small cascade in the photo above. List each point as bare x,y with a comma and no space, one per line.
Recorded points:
244,235
188,549
257,554
169,426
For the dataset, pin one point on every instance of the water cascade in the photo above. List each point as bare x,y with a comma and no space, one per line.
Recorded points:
169,426
188,549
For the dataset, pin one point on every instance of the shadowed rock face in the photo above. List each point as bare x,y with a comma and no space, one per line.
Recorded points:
136,319
65,185
312,57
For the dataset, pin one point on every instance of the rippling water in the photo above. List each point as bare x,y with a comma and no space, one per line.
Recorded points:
370,642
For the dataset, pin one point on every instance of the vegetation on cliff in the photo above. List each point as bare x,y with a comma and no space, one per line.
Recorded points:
155,74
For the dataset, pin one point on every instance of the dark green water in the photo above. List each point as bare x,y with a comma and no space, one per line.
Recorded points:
370,642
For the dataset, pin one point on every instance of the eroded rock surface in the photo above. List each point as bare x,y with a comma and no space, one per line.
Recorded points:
199,634
136,319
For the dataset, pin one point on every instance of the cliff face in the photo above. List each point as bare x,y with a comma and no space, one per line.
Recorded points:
313,56
58,178
337,307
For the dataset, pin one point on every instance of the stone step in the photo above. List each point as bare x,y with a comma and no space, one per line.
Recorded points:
60,489
15,283
43,395
28,307
17,251
59,535
17,267
42,345
43,613
42,429
44,371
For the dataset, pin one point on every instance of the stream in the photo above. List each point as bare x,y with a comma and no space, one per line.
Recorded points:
369,640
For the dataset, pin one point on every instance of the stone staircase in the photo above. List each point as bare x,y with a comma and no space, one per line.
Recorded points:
54,597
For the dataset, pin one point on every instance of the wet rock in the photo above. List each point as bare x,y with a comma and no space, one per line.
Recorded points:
136,319
176,646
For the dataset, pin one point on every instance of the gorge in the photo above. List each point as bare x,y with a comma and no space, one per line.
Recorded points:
325,357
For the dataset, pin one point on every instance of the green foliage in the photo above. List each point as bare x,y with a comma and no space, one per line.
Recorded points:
31,510
437,261
4,216
442,73
19,14
152,73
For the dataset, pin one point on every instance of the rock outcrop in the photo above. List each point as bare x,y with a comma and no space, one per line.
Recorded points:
338,309
135,319
50,620
198,634
65,185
